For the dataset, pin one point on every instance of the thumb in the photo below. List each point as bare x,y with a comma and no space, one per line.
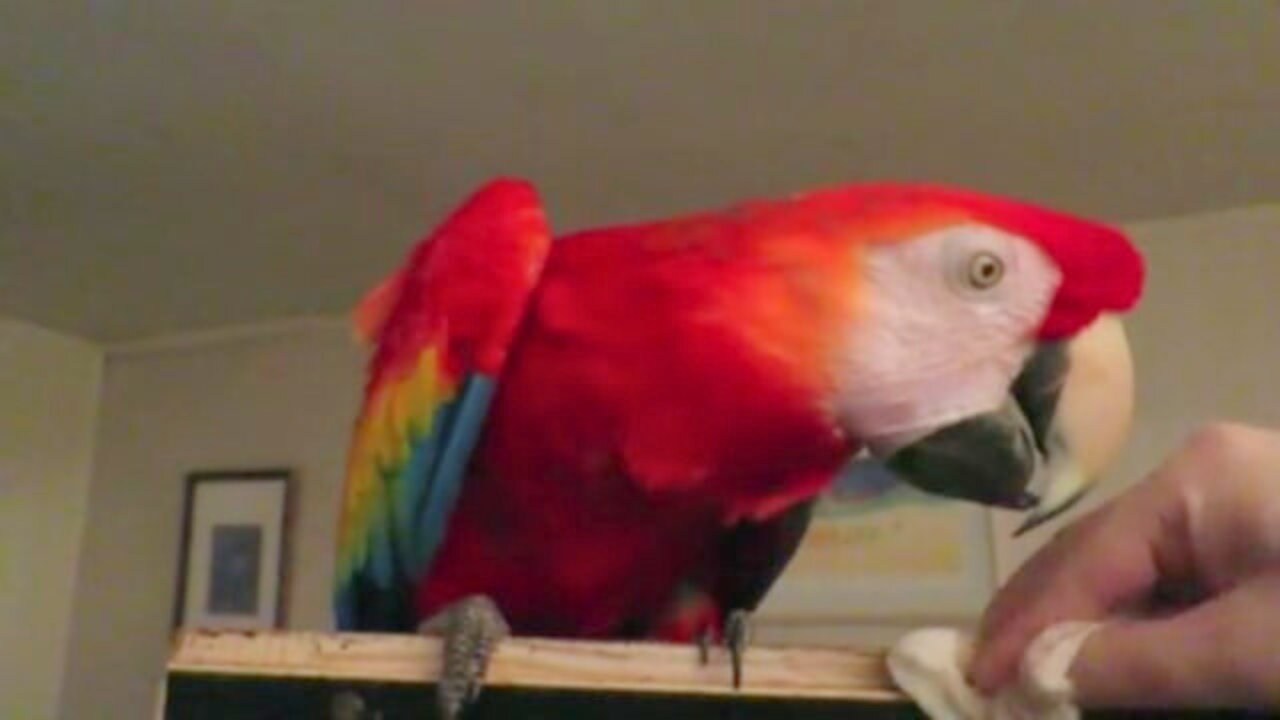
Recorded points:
1220,653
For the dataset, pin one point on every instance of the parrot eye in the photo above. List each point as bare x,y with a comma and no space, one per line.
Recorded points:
985,271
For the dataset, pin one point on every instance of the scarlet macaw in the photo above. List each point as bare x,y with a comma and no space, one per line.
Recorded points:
620,433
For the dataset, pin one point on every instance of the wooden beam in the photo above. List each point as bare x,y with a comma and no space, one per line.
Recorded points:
640,667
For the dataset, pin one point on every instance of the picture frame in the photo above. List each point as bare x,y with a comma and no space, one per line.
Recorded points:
234,550
879,552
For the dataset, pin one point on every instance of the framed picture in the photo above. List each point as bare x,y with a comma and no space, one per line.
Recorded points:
879,552
233,551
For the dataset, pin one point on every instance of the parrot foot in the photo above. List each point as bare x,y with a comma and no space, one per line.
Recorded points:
736,633
471,628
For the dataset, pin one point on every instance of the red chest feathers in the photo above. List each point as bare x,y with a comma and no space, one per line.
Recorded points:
632,423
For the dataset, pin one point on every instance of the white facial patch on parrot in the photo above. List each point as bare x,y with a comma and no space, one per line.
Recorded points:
947,320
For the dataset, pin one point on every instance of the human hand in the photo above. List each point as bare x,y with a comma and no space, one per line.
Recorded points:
1183,570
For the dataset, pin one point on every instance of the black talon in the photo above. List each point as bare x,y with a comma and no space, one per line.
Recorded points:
736,630
704,647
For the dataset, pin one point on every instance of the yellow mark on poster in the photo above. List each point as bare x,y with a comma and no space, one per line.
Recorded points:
903,541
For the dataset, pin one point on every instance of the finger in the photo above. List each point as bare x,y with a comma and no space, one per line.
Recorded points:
1083,574
1112,558
1220,653
1144,662
1024,603
1068,579
997,655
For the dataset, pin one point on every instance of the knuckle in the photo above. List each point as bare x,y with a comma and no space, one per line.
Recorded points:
1211,449
1222,442
1214,438
1219,457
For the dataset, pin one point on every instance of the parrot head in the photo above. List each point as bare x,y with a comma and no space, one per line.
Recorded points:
967,314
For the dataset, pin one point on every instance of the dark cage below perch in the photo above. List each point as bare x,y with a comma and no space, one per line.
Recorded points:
279,676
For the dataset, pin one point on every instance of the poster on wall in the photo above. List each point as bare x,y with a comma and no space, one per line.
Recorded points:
232,556
880,551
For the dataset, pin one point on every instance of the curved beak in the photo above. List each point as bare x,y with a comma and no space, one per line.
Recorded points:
1041,451
988,459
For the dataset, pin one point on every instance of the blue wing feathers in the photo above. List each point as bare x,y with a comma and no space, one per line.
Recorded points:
423,496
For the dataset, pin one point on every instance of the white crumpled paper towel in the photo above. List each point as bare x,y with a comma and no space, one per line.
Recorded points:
929,666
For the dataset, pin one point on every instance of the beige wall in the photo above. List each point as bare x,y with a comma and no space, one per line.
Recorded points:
48,410
285,400
1199,349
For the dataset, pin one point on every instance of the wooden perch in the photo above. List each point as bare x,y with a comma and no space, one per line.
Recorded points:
315,676
538,663
280,674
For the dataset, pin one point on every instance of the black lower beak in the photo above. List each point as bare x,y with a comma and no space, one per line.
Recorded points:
991,459
988,459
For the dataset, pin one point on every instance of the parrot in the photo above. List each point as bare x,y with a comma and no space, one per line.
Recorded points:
620,432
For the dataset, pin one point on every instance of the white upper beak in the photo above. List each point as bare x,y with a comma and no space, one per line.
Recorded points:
1092,421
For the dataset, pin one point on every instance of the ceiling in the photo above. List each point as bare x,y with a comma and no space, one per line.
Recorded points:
183,165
